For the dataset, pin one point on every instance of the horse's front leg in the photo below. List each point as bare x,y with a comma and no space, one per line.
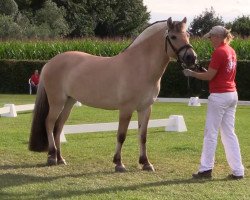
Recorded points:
124,119
143,118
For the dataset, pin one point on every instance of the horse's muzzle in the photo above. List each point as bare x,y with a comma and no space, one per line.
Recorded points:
190,60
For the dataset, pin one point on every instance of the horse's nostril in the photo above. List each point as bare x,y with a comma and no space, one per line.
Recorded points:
190,58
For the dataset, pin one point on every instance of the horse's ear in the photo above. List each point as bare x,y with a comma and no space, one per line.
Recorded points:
184,20
170,23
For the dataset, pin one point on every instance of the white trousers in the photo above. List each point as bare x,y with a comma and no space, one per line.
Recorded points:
221,116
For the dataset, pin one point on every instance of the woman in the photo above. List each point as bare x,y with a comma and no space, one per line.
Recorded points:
222,104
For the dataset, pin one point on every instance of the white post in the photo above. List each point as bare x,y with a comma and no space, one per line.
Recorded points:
176,123
78,104
194,101
12,111
62,137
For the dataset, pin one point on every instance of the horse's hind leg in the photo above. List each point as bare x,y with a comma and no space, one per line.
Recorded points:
143,118
55,108
124,120
59,126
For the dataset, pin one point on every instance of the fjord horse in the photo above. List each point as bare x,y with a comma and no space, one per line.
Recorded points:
128,82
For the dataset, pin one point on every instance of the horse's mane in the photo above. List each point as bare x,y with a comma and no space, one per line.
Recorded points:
148,32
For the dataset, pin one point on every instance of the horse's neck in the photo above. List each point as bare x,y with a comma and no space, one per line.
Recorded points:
150,55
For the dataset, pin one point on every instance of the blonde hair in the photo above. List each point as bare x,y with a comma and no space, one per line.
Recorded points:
228,37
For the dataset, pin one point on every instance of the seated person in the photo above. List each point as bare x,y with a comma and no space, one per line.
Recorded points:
34,80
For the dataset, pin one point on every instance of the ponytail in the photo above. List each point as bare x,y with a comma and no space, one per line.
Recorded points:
228,36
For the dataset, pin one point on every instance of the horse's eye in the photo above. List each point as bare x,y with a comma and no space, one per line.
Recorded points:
173,37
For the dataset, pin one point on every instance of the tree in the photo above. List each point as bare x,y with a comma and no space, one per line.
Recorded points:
8,7
106,18
204,22
8,28
241,26
79,19
123,18
75,18
51,18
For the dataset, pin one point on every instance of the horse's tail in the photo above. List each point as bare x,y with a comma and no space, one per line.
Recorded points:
38,138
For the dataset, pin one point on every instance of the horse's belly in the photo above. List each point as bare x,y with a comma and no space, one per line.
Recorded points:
108,105
96,99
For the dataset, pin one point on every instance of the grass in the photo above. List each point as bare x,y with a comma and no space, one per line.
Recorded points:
90,172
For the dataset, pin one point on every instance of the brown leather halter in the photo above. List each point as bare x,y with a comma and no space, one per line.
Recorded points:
177,51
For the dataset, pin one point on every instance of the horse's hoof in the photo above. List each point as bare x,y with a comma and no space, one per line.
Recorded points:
61,162
120,168
148,167
51,162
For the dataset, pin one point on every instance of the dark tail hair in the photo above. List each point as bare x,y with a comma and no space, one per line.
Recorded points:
38,137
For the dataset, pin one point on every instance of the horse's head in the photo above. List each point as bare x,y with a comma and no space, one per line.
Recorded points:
177,42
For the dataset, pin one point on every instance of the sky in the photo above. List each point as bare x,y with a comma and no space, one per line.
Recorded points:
178,9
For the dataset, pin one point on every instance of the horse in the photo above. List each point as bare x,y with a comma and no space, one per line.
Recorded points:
128,82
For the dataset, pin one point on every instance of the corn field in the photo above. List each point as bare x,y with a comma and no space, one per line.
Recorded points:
44,50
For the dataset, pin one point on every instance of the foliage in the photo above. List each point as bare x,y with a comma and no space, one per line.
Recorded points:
15,74
80,21
90,171
125,18
204,22
9,28
8,7
78,18
51,19
44,50
108,18
241,26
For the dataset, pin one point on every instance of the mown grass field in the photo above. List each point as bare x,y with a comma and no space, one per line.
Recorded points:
90,172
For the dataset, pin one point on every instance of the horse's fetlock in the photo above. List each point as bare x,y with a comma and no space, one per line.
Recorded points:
143,160
52,152
117,159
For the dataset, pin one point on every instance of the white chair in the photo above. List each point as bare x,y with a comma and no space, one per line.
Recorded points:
30,87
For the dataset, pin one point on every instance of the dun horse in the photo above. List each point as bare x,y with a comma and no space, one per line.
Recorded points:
128,82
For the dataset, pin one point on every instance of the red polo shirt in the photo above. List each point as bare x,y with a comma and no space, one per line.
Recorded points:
224,61
35,79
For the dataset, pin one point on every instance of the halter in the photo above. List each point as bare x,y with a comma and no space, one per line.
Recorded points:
197,67
177,51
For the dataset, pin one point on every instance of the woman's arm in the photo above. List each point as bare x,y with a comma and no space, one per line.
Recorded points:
206,76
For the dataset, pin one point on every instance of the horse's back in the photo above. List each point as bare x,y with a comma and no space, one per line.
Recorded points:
86,78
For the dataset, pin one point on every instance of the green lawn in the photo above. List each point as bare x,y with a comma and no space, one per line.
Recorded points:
90,171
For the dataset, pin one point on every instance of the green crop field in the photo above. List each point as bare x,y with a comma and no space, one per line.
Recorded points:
44,50
90,171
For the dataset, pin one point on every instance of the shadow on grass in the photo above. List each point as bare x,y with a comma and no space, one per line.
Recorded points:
150,184
21,166
18,179
13,179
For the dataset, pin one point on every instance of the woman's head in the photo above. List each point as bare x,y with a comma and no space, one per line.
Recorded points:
219,34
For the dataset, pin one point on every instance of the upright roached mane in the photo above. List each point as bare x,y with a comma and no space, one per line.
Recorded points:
128,82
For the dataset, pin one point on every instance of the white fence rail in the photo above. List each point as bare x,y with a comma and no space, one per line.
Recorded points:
10,110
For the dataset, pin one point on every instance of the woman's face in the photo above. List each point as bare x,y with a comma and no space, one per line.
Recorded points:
216,40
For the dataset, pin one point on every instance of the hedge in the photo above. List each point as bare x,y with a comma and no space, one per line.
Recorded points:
14,75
